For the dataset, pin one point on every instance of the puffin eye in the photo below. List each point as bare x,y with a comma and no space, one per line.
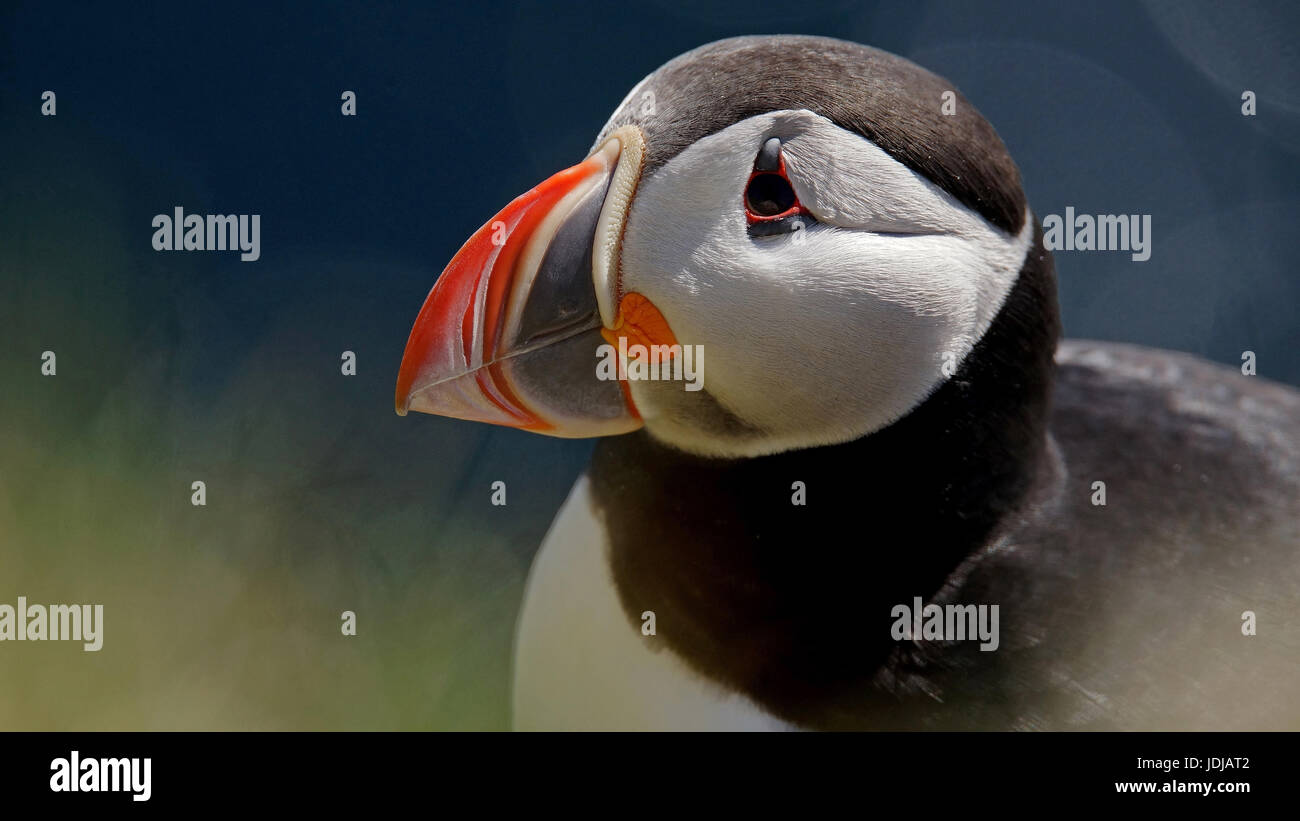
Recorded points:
769,195
771,205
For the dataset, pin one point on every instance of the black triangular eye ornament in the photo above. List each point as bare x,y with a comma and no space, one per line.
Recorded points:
771,204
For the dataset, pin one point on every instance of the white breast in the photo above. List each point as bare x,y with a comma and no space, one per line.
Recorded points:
580,664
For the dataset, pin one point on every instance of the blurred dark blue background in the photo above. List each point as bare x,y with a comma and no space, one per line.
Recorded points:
175,367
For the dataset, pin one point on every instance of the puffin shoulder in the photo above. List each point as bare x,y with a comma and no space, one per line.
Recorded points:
1121,395
1175,524
1188,452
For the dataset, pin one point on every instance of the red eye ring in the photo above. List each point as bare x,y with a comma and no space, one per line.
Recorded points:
769,196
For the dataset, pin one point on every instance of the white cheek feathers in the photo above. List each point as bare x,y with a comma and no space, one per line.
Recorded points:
823,335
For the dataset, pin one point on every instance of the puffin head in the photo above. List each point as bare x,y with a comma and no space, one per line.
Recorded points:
831,228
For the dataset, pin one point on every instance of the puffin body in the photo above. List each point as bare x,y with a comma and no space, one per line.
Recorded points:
886,418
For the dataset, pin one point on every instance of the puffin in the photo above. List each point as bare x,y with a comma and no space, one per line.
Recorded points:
889,418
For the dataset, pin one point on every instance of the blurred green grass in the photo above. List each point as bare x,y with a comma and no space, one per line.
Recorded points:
184,367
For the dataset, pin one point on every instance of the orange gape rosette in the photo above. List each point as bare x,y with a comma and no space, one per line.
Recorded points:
640,323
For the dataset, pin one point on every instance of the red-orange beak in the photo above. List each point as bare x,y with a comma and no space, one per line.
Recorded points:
509,333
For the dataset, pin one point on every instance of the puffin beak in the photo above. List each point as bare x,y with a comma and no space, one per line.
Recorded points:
509,334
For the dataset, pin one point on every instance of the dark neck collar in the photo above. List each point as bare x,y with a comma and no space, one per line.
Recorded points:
791,604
